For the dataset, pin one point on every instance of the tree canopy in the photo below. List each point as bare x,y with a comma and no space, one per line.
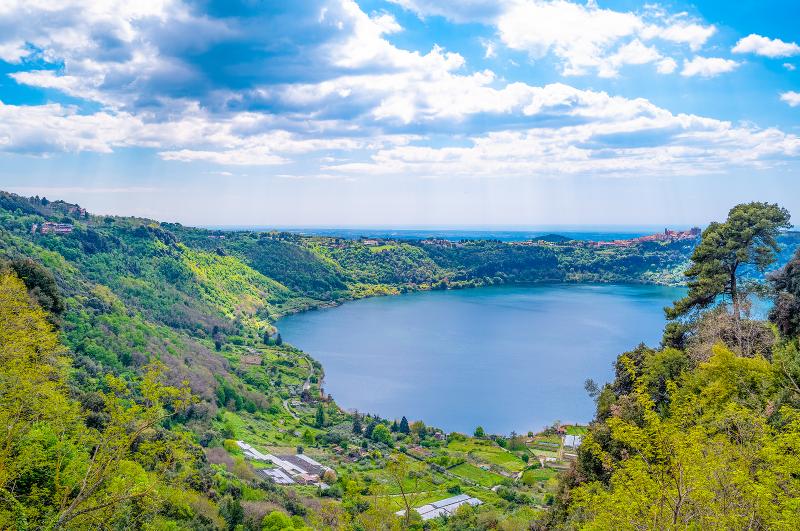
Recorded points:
747,237
55,471
785,284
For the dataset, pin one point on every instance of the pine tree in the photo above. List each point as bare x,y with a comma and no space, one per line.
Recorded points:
404,428
321,418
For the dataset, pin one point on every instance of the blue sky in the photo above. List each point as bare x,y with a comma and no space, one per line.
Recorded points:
402,112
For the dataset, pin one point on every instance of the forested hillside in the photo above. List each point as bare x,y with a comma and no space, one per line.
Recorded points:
703,432
135,354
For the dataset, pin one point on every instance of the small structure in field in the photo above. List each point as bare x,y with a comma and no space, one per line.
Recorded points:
278,476
446,507
290,468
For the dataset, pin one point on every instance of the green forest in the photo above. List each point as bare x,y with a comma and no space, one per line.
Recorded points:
135,354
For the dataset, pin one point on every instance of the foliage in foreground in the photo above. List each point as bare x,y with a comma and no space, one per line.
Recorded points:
58,471
708,436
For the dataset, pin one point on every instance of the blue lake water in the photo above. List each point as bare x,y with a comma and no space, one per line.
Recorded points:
505,358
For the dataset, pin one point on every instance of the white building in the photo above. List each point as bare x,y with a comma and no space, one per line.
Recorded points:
290,468
277,475
445,507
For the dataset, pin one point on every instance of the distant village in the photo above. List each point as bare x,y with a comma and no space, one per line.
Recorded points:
668,236
58,228
49,227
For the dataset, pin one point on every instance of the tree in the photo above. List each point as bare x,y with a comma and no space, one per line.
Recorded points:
321,418
710,460
785,284
404,428
266,337
382,434
399,470
57,472
41,285
231,510
277,521
278,340
479,432
357,428
747,237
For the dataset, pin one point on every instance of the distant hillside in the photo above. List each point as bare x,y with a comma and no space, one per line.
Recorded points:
555,238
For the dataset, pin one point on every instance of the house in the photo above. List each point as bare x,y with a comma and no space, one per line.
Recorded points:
48,227
446,507
370,242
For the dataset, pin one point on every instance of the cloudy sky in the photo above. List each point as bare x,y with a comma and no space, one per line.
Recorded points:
402,112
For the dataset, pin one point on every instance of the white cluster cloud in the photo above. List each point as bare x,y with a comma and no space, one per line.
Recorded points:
765,46
791,97
110,50
13,51
584,37
195,136
365,105
707,66
612,136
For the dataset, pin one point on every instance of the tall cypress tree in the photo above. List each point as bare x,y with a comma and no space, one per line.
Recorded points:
404,426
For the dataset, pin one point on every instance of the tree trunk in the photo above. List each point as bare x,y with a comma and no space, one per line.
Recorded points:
735,297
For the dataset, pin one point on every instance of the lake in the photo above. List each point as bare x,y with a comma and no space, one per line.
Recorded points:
506,358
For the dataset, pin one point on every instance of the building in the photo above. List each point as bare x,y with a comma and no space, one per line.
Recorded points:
305,464
48,227
252,453
277,475
290,468
446,507
667,236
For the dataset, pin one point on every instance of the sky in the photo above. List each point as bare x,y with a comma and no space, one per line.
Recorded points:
402,112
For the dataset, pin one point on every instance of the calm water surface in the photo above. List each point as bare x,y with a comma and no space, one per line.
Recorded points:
506,358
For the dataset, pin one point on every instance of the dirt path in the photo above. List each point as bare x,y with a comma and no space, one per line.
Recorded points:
292,413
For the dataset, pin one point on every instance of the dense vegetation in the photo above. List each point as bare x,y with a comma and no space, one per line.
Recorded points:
704,432
133,354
